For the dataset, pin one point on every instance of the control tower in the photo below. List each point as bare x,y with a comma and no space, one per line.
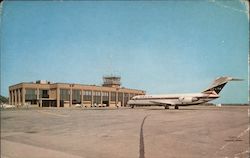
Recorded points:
111,81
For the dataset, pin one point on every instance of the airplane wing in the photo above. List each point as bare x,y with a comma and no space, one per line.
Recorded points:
163,102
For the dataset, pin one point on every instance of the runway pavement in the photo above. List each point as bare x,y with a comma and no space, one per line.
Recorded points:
145,132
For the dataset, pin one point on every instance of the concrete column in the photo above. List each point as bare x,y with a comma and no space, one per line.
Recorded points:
18,97
101,98
70,97
58,97
92,97
116,98
81,97
12,97
37,97
37,94
123,99
15,98
23,96
41,102
13,103
109,97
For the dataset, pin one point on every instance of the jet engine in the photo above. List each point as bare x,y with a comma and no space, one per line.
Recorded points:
188,99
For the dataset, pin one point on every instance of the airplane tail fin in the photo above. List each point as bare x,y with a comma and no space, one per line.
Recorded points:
218,84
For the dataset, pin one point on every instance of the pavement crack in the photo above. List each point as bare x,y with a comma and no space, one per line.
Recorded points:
141,147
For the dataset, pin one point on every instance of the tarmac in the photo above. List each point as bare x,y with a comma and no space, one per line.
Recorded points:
142,132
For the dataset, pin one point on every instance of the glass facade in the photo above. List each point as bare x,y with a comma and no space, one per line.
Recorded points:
64,94
113,96
105,96
96,97
76,97
87,96
120,96
30,94
43,93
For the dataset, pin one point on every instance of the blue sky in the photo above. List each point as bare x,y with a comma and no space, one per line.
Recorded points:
160,47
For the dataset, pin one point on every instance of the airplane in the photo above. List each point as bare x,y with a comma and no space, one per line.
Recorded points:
176,100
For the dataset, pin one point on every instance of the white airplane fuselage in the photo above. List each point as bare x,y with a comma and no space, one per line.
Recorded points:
173,99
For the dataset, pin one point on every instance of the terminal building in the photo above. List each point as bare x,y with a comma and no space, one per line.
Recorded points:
46,94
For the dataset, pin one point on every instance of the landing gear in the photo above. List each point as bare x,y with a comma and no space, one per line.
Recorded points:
176,107
132,106
166,107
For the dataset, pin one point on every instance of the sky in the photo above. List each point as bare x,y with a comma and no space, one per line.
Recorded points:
156,46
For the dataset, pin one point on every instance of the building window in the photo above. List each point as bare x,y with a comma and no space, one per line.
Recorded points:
97,97
64,94
105,96
120,96
43,93
87,95
76,97
30,94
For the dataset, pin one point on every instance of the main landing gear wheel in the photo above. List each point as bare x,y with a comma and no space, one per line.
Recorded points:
166,107
176,107
132,106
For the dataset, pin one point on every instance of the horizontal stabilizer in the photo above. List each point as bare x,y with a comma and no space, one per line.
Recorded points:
237,79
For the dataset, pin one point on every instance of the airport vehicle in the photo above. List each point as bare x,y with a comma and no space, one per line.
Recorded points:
176,100
7,106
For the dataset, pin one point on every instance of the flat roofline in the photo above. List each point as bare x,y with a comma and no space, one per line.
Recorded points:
96,86
21,83
57,83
